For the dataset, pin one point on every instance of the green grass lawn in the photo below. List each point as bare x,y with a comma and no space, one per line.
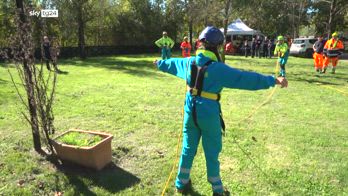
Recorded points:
296,144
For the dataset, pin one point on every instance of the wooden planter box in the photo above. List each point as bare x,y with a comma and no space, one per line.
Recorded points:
96,156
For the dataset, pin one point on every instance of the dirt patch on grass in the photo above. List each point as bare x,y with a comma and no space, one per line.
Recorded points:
228,164
278,156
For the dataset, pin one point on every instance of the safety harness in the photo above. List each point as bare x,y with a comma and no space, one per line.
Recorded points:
196,90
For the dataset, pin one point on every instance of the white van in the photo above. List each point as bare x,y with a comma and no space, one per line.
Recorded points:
302,47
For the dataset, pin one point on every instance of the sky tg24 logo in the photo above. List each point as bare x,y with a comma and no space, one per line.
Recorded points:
44,13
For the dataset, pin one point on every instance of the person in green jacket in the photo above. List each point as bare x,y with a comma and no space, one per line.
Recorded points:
166,44
281,50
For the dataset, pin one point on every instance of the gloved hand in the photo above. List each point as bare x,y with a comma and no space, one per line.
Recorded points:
155,63
283,82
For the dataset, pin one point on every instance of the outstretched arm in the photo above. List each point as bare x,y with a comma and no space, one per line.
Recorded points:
174,66
234,78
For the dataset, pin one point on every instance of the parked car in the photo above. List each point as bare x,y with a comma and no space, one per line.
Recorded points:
302,47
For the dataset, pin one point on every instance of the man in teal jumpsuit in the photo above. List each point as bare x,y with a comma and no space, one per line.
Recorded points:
282,51
166,44
208,126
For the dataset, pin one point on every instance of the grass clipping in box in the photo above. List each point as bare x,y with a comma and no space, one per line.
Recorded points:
88,148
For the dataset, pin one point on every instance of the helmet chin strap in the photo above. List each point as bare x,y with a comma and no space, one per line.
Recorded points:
219,53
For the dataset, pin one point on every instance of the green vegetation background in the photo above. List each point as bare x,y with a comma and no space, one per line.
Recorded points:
299,139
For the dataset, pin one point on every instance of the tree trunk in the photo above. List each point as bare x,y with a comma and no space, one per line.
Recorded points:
293,20
227,13
206,14
32,107
29,86
329,26
190,32
225,35
81,32
302,6
189,16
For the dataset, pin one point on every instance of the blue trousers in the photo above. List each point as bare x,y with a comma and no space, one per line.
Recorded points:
282,61
210,132
166,53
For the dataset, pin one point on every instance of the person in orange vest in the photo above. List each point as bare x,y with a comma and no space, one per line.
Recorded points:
186,47
333,48
318,49
229,48
197,44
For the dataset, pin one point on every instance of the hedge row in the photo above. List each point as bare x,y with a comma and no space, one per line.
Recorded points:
69,52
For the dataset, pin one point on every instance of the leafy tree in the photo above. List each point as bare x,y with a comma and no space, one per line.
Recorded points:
7,26
329,15
79,13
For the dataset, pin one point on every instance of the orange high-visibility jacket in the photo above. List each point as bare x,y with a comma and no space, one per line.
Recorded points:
186,48
333,47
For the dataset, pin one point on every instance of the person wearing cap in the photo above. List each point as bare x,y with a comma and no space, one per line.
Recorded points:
318,48
50,53
281,50
206,76
166,44
333,48
186,47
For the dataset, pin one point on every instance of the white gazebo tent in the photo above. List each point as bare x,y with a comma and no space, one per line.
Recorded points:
238,27
238,31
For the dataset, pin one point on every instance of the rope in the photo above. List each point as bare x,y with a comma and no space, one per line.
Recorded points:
336,89
268,99
176,159
179,141
264,102
273,183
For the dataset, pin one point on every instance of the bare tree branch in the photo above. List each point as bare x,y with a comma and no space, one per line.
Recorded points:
17,90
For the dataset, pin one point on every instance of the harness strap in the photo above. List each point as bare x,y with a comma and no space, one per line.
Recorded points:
211,96
222,122
194,112
196,89
194,71
200,78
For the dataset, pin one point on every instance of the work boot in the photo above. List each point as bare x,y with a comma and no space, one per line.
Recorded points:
225,193
187,188
333,70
